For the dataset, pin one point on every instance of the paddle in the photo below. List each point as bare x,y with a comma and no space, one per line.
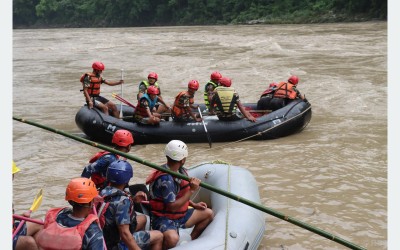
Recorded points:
205,128
20,217
122,100
122,93
35,205
250,203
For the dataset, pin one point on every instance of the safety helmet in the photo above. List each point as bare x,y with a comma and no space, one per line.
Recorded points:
122,138
15,169
215,76
153,75
225,81
152,90
193,84
119,172
81,190
293,80
176,150
98,66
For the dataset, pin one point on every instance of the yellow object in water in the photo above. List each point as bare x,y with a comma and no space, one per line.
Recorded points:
15,169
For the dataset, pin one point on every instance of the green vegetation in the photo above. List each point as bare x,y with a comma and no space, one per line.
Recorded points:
123,13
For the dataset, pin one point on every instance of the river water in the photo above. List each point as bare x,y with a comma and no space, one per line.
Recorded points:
332,175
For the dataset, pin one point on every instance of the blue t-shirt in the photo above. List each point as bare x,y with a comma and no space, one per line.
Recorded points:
93,238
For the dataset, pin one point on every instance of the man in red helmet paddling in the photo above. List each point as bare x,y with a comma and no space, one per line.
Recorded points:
91,90
184,103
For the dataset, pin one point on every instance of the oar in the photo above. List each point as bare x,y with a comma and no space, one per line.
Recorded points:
122,100
35,205
122,93
202,184
205,128
19,217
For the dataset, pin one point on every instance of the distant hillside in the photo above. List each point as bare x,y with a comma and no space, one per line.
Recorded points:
124,13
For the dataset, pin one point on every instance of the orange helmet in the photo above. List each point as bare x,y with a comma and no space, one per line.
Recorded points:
193,84
81,190
153,75
152,90
225,81
215,76
98,66
293,80
122,138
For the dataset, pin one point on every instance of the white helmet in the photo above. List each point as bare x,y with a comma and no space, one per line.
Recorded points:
176,150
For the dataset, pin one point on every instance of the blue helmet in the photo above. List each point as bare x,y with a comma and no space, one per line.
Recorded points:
119,172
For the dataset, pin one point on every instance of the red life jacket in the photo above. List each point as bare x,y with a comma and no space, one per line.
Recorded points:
285,90
158,208
97,178
141,111
56,237
95,82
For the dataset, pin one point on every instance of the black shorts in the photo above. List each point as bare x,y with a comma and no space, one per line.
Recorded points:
100,99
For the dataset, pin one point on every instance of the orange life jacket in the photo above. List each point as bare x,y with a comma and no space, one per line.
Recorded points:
285,90
95,82
158,208
56,237
179,109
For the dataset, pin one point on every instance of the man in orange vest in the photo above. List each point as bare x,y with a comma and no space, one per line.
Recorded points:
91,90
278,95
184,103
170,198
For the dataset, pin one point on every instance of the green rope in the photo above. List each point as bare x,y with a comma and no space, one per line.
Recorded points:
202,184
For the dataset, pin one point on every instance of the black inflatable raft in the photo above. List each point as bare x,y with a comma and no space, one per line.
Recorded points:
286,121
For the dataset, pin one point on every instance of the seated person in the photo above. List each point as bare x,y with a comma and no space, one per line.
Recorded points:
182,108
225,101
152,80
279,95
75,227
210,86
145,108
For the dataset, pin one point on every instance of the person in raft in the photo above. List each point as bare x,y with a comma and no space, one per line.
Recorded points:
91,83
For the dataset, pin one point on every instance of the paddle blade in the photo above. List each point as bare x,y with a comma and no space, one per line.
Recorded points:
37,201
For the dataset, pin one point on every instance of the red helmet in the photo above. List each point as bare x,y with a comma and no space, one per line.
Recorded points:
153,75
216,76
293,80
152,90
98,66
193,84
225,81
81,190
122,138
